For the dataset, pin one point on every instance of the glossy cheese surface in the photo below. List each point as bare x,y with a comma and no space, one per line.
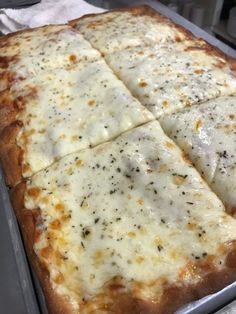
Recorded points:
131,208
166,79
207,134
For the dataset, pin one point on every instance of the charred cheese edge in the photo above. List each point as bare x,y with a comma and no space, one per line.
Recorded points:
131,208
167,79
207,134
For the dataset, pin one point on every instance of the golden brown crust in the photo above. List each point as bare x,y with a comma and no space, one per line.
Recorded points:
115,299
215,52
27,218
174,296
10,153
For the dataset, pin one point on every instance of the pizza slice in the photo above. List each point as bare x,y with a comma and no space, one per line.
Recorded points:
125,227
45,43
118,29
166,79
57,105
29,53
207,134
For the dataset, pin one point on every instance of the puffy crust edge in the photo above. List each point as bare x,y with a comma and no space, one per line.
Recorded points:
115,300
10,153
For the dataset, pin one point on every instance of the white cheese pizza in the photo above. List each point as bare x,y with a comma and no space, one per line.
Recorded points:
114,216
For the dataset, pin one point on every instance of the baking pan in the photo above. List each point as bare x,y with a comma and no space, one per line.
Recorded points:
28,297
17,293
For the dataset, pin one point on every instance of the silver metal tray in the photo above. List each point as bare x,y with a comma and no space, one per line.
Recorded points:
17,294
20,292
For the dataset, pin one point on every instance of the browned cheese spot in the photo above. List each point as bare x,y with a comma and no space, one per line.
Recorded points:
73,58
55,224
142,84
59,278
33,192
199,71
198,124
91,102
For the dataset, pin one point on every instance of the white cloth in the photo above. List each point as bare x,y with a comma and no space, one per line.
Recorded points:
43,13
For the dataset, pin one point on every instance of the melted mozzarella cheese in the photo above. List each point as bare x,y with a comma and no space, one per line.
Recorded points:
207,133
166,79
34,53
69,110
40,45
118,30
131,208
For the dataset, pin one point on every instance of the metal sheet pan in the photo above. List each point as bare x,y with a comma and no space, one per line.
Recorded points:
25,300
17,293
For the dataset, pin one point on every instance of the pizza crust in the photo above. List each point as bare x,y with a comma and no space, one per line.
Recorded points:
11,154
214,51
174,296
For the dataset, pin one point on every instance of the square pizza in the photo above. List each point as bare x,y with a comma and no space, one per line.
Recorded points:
116,215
